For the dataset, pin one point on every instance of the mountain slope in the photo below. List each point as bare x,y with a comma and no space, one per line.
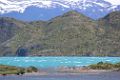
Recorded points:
70,34
109,40
8,28
22,39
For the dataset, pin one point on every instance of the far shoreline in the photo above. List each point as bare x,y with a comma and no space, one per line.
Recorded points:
64,71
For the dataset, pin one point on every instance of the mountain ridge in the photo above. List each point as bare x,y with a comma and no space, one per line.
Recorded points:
82,4
51,8
70,34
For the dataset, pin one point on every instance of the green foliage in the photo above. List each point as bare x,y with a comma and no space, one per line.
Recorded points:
117,65
106,66
31,69
9,69
4,70
21,71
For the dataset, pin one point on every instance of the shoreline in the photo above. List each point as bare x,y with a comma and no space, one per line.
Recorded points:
100,67
65,76
63,71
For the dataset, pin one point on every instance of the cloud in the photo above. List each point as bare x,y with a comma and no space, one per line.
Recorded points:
7,6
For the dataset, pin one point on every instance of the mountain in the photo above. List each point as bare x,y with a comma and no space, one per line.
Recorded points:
69,34
64,33
25,35
109,39
9,27
112,20
31,10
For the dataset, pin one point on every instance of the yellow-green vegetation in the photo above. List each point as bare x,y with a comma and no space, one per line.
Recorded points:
5,70
105,66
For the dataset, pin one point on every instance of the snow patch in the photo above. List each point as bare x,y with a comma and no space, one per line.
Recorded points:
7,6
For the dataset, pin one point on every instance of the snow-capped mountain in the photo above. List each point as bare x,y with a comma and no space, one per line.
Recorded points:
91,8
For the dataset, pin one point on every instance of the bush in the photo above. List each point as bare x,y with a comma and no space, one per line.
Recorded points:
21,71
32,69
117,65
102,65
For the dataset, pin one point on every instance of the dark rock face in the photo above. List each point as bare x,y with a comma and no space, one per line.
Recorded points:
22,52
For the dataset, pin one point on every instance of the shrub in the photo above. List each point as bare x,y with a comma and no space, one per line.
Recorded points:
117,65
21,71
102,65
32,69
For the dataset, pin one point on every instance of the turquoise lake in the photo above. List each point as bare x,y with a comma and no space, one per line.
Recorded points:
50,62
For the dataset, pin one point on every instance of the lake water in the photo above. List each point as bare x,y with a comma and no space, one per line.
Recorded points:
49,62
